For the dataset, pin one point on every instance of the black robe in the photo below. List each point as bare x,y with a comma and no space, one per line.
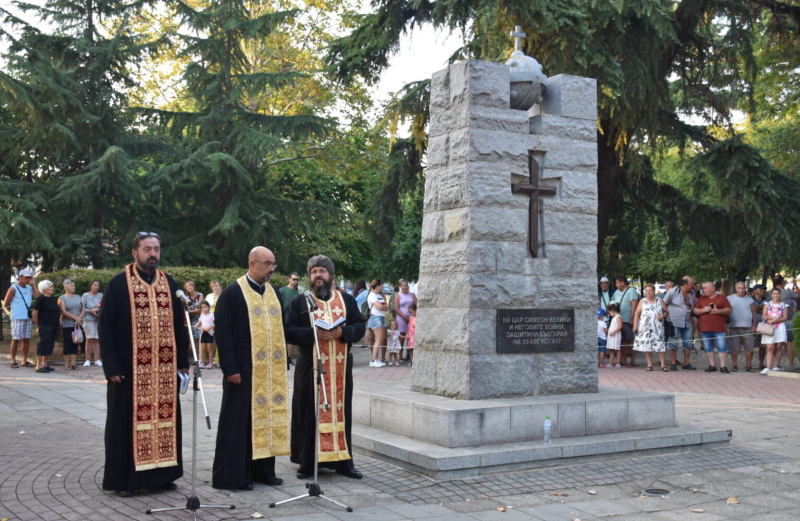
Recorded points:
299,332
233,457
116,351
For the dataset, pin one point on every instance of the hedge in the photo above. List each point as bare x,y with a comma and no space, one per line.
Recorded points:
202,277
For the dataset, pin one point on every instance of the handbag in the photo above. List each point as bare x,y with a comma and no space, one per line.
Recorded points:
762,328
77,335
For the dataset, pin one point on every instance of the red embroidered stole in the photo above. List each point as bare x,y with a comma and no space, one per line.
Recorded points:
332,442
154,372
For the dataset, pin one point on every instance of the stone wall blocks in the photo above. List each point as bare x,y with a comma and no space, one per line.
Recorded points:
480,83
570,96
440,90
563,127
433,227
578,230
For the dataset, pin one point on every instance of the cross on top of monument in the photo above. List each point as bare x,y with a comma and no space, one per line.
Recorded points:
518,36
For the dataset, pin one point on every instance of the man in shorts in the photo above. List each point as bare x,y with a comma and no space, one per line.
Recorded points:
20,298
628,299
740,328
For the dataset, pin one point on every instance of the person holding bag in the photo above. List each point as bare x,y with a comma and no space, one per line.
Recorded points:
72,311
775,313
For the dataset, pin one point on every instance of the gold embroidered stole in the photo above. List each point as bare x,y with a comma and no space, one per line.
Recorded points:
155,380
332,441
269,406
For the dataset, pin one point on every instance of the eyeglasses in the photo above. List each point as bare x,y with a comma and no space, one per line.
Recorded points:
318,271
140,235
267,263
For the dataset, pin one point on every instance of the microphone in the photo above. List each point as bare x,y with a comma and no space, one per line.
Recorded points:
181,295
311,302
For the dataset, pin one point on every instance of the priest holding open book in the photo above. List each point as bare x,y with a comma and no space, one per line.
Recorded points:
339,323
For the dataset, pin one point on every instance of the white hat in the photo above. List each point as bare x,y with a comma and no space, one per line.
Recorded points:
604,279
25,273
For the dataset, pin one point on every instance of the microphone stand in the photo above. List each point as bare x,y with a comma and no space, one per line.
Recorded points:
318,384
193,502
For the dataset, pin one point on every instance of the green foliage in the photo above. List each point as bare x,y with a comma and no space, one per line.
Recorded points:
656,62
202,277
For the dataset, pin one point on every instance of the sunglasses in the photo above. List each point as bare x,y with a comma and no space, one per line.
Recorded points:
140,235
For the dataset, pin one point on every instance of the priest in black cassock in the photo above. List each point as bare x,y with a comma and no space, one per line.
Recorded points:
143,344
334,306
254,416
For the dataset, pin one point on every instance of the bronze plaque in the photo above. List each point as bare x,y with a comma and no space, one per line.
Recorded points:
521,331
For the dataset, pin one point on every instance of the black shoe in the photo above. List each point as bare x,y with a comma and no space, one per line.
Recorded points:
42,370
350,473
724,370
273,481
689,367
303,475
246,486
711,369
168,486
673,367
124,493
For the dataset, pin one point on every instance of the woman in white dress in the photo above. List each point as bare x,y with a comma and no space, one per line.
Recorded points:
649,329
775,313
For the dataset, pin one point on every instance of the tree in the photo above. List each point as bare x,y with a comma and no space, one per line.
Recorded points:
72,150
656,63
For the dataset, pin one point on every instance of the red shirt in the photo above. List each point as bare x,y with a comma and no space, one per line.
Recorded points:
712,323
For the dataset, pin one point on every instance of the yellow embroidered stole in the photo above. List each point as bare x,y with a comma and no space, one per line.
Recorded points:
155,380
269,405
332,441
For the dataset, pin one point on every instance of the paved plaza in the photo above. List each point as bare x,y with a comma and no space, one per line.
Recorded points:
51,462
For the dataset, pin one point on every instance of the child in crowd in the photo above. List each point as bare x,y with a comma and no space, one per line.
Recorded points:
412,326
614,339
602,335
206,326
393,344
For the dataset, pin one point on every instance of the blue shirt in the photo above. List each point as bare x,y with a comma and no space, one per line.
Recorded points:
22,296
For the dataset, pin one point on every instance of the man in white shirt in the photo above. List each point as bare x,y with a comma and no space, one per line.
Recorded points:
740,327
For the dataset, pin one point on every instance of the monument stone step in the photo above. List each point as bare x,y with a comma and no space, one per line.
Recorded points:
444,463
453,423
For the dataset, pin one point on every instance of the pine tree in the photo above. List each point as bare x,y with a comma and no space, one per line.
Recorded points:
74,150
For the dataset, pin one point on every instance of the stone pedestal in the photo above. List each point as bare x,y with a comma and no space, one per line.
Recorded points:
475,257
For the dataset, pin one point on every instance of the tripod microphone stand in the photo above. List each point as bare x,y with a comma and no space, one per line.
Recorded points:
318,384
193,502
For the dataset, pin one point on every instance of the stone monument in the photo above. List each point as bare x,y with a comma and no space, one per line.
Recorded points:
506,325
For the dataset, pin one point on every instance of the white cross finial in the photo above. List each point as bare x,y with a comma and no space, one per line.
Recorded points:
518,36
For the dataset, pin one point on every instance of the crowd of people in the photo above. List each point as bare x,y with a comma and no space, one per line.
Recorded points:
33,305
724,319
391,325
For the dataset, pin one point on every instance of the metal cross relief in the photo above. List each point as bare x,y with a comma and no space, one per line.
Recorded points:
535,192
518,36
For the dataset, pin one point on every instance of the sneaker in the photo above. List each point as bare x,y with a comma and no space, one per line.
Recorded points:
379,363
98,363
617,366
608,366
765,371
778,368
711,369
689,367
724,370
87,363
372,364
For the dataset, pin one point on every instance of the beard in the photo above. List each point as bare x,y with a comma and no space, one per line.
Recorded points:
322,290
148,266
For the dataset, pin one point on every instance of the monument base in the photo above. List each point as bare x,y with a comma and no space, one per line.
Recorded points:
445,438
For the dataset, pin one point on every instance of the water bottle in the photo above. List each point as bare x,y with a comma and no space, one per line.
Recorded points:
547,428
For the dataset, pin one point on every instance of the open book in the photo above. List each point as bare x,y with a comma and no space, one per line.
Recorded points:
324,325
